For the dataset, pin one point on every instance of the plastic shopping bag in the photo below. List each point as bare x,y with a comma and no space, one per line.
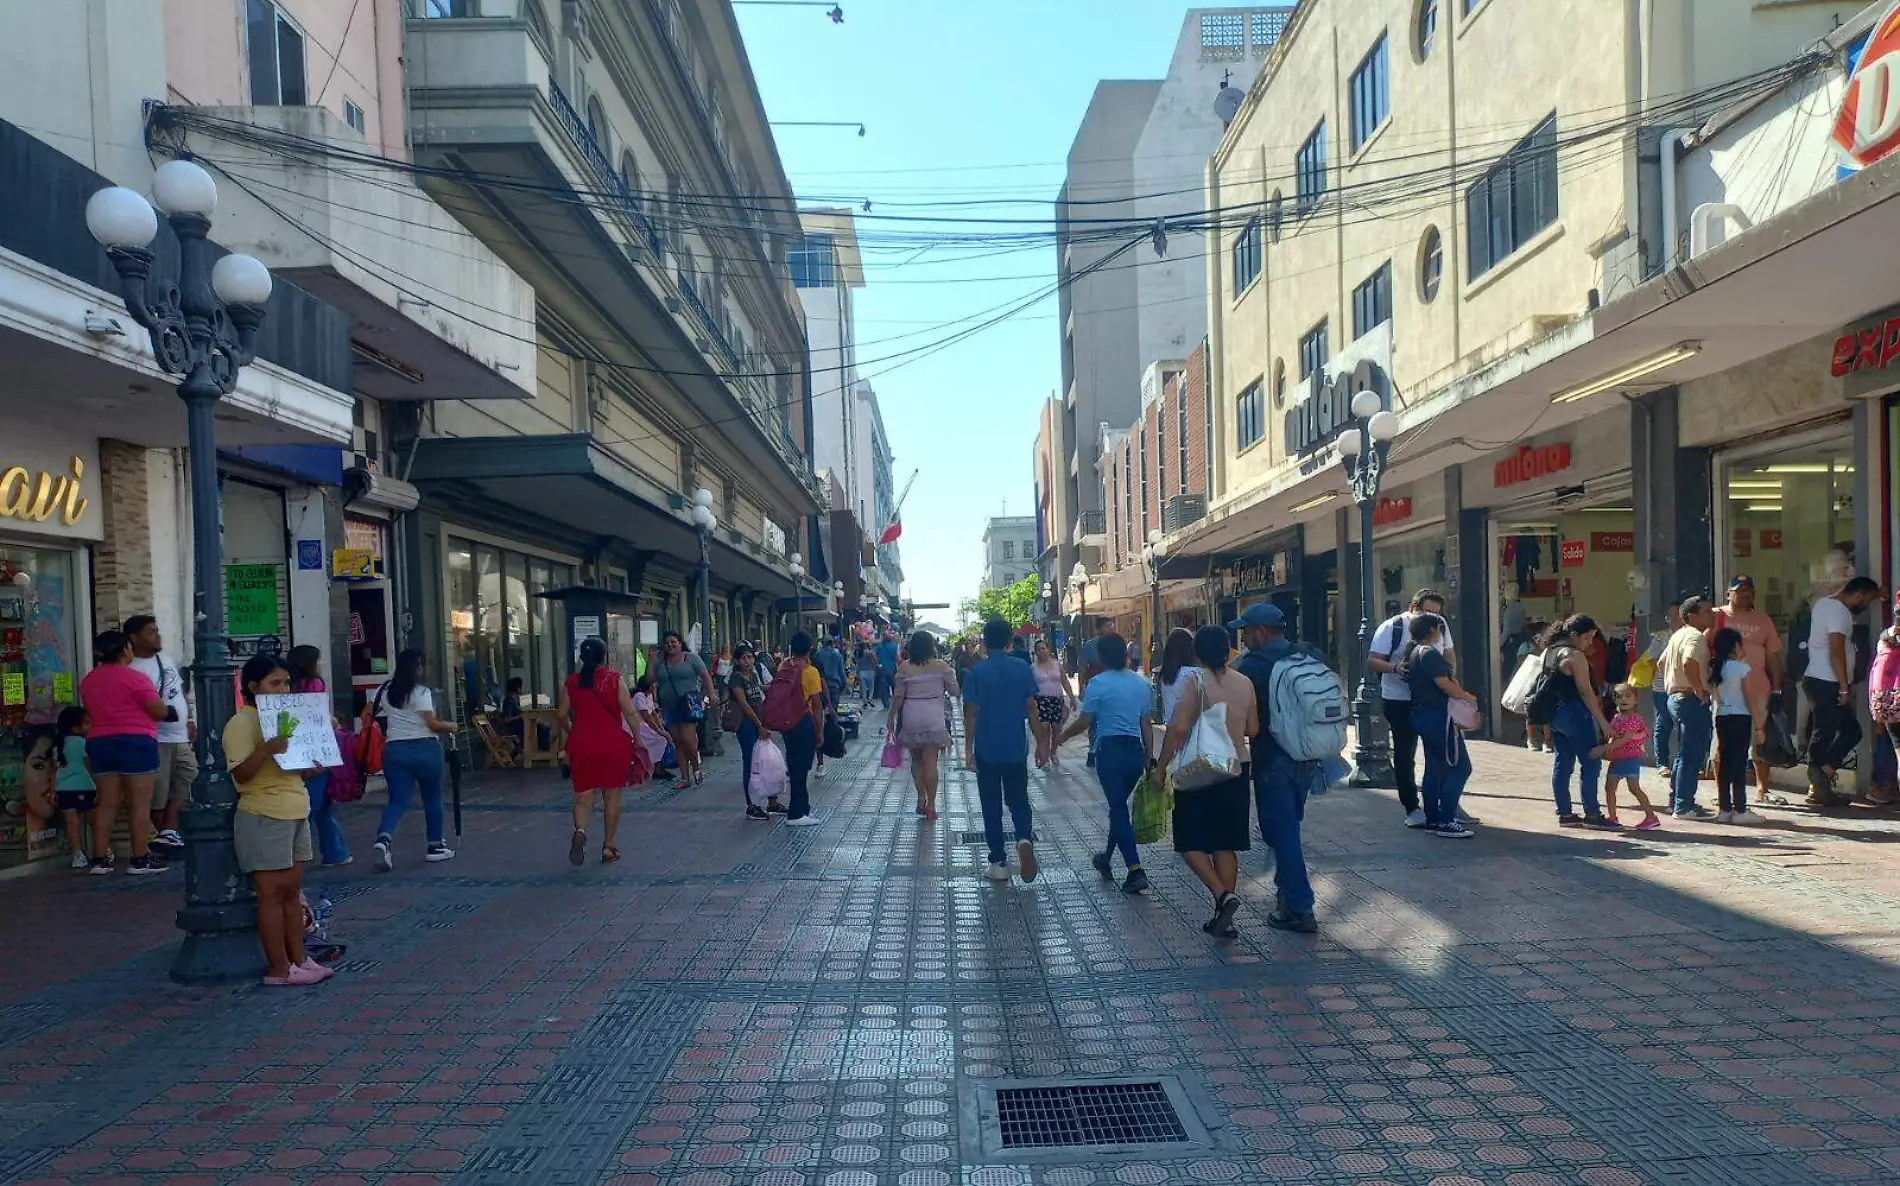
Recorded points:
770,776
1153,810
1208,756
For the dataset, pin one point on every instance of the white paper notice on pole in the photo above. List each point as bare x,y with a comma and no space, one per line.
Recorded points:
306,718
585,628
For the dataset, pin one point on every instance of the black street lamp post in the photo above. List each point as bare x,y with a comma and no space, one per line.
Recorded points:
204,328
1363,451
1152,553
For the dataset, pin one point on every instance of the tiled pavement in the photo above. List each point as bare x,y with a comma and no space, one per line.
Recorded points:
745,1004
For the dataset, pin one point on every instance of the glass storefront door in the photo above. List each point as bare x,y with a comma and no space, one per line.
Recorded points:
498,630
1787,518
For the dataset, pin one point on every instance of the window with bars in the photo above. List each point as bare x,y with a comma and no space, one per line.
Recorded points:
1141,444
1181,412
1309,170
1264,29
1250,418
1372,301
1515,199
1247,256
1315,349
1371,94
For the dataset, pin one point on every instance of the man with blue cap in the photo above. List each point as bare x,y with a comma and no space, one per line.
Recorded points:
1280,784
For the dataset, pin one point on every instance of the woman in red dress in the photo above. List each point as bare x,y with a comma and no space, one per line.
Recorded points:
596,717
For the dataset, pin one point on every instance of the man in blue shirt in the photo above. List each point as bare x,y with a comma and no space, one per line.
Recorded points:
1280,784
886,669
999,695
1117,708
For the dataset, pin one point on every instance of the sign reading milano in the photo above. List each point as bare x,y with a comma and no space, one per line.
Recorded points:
1325,406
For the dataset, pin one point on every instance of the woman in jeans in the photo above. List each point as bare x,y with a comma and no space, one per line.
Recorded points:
1447,761
685,688
747,689
332,847
1120,706
411,759
1578,729
122,750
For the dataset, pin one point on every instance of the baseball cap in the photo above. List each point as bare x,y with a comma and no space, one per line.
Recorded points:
1742,578
1261,613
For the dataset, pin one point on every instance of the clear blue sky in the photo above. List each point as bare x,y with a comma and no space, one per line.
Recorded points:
951,91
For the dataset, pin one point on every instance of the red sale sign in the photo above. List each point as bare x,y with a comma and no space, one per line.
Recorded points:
1613,541
1771,539
1572,553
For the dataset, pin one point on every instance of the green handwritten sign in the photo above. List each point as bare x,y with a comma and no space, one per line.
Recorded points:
15,688
63,687
250,599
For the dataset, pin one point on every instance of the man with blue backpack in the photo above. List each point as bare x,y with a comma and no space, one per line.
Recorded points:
1303,715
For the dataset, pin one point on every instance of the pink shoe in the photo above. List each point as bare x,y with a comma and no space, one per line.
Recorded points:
1649,824
319,970
302,976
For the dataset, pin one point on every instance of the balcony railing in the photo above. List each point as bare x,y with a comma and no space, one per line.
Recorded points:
603,176
689,292
1092,523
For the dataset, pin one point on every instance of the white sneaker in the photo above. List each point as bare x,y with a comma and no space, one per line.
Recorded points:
999,872
80,861
803,821
1749,817
1416,818
439,852
1724,817
385,860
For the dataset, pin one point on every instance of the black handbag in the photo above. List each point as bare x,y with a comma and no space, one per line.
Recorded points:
833,746
1777,747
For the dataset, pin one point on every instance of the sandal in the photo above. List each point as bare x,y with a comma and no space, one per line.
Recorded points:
609,853
577,849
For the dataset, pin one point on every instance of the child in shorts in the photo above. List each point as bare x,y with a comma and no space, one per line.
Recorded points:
73,789
1629,734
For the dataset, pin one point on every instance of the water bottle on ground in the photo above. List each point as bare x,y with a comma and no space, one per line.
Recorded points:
321,916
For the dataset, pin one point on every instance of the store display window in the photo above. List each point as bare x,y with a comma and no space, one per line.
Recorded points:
499,630
39,668
1789,522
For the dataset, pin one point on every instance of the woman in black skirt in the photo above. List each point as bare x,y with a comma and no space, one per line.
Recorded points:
1211,822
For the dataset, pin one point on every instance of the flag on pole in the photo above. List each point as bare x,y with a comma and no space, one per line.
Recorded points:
891,533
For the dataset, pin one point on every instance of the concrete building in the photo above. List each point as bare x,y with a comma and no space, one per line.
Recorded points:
1009,550
1141,145
585,144
1049,461
1448,216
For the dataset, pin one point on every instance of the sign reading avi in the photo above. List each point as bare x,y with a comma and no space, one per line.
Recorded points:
1867,127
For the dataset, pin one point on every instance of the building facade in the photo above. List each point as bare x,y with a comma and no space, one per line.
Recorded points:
1435,228
1141,144
617,157
95,524
1009,550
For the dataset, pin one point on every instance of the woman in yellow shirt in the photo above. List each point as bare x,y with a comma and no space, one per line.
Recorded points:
271,830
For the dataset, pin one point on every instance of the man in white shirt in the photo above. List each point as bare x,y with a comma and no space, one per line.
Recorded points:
1389,644
177,764
1829,683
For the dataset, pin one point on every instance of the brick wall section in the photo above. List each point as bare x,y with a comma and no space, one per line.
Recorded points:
122,560
1150,418
1194,390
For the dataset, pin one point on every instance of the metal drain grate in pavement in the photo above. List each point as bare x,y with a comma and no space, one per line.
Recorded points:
977,837
1082,1121
1086,1117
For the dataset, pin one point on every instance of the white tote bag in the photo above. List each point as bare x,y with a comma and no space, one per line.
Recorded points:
1208,756
1517,694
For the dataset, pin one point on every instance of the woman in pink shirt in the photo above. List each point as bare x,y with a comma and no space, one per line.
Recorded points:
122,749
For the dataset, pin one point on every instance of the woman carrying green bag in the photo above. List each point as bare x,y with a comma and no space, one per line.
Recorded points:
1211,820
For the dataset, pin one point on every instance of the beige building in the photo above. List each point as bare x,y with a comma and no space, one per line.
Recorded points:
1428,198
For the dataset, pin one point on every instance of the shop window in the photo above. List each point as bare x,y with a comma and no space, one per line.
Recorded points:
40,665
499,630
1790,524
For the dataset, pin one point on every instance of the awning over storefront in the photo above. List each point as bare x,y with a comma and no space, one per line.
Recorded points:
572,481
